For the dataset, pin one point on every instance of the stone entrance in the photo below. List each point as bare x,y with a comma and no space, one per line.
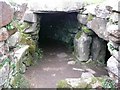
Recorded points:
60,26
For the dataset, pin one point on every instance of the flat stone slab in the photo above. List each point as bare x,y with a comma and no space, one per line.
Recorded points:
55,5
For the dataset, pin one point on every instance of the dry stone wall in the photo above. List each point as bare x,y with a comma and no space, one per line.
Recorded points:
103,19
13,54
99,25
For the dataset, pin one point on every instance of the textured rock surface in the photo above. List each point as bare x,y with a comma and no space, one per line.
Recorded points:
21,52
98,25
114,33
101,11
29,16
113,68
82,19
14,39
52,5
4,72
114,49
82,46
6,13
3,34
98,49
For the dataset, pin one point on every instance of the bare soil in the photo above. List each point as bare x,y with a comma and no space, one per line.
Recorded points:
54,67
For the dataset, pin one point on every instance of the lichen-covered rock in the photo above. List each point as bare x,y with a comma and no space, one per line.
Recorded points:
82,43
114,49
89,82
114,17
14,39
102,12
4,72
114,33
6,13
98,49
113,68
31,29
4,49
98,25
19,81
52,5
19,10
19,54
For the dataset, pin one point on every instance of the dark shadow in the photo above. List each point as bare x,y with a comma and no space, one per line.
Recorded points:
60,27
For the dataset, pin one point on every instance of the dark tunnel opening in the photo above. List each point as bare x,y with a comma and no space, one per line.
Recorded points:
58,27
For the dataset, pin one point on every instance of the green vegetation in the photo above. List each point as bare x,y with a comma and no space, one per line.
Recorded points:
19,81
84,85
78,35
10,26
63,84
26,39
90,17
86,30
6,60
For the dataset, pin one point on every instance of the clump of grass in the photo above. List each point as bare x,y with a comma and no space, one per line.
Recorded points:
62,84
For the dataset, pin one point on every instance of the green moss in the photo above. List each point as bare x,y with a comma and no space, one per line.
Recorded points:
90,17
19,81
63,84
86,30
78,35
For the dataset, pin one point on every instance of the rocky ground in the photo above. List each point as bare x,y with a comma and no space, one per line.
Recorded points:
57,64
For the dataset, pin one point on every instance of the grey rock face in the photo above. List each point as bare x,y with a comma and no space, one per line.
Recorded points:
4,71
98,49
3,34
101,11
82,47
113,68
82,19
6,13
98,25
29,16
114,49
31,29
52,5
90,9
114,17
114,33
14,39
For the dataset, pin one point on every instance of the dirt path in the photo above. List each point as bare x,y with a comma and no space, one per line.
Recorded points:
54,67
